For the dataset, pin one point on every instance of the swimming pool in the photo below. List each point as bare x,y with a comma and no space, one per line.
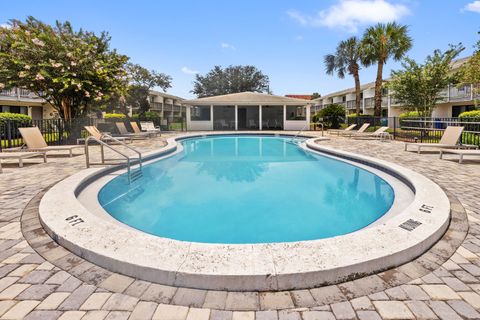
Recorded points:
247,189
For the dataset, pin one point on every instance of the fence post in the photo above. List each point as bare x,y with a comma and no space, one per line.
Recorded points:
394,128
9,133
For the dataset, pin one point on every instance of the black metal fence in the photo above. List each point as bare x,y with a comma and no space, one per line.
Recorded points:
58,131
61,132
422,129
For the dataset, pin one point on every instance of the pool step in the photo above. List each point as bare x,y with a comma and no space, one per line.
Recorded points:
135,174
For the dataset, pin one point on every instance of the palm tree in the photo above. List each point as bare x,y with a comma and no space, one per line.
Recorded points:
347,59
380,43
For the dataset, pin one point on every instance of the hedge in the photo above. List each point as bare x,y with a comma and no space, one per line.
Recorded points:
410,114
14,116
114,116
147,116
470,114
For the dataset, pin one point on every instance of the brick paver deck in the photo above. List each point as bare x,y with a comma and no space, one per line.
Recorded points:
41,280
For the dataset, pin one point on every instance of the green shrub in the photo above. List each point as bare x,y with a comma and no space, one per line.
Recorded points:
147,116
470,114
114,116
332,115
14,116
410,114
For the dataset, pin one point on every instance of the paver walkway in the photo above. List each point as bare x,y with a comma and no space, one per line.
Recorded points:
32,287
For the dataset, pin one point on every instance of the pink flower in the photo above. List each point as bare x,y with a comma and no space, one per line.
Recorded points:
87,94
2,86
39,77
38,42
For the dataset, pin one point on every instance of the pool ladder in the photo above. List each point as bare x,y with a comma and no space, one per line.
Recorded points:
133,173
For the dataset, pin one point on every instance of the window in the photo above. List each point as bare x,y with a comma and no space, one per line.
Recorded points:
296,113
200,113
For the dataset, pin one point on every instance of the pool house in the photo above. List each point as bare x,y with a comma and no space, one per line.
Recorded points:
247,111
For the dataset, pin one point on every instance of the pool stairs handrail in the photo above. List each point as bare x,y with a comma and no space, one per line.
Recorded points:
295,137
133,174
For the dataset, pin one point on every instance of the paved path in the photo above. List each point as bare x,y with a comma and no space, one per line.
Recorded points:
39,280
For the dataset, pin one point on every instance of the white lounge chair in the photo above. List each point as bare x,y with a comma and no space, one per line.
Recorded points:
148,126
449,139
34,141
124,132
353,132
20,156
460,153
380,133
339,131
93,131
136,130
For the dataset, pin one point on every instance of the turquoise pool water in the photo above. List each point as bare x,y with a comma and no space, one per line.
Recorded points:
248,189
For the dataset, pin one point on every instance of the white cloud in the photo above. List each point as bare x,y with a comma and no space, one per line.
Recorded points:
474,6
187,70
299,38
225,45
6,26
350,14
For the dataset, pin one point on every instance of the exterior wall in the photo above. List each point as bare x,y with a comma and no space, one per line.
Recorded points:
442,111
49,112
338,99
295,125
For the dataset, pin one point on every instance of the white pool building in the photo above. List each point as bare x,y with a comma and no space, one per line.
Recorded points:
248,111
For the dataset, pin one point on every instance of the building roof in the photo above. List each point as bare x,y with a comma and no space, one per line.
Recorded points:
247,98
300,96
165,95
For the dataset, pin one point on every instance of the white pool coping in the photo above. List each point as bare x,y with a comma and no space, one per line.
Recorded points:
252,267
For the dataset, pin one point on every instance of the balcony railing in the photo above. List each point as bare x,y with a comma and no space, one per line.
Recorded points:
157,106
351,104
18,93
463,93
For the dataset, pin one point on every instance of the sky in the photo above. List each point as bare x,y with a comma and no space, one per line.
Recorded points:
285,39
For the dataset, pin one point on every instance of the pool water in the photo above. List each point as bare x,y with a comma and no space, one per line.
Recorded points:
248,189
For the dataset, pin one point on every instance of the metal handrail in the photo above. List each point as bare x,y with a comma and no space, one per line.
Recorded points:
104,144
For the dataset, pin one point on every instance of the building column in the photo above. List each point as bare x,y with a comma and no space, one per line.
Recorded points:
211,117
284,116
187,115
260,117
307,116
236,117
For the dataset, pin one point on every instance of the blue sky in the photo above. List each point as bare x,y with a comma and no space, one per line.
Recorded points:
285,39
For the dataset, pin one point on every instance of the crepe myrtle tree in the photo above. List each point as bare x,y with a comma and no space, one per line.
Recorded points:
232,79
417,86
69,69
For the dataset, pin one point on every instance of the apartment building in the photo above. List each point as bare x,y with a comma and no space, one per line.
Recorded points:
22,101
166,105
454,99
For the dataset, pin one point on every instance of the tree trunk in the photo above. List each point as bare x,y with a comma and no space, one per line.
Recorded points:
356,76
378,90
67,110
